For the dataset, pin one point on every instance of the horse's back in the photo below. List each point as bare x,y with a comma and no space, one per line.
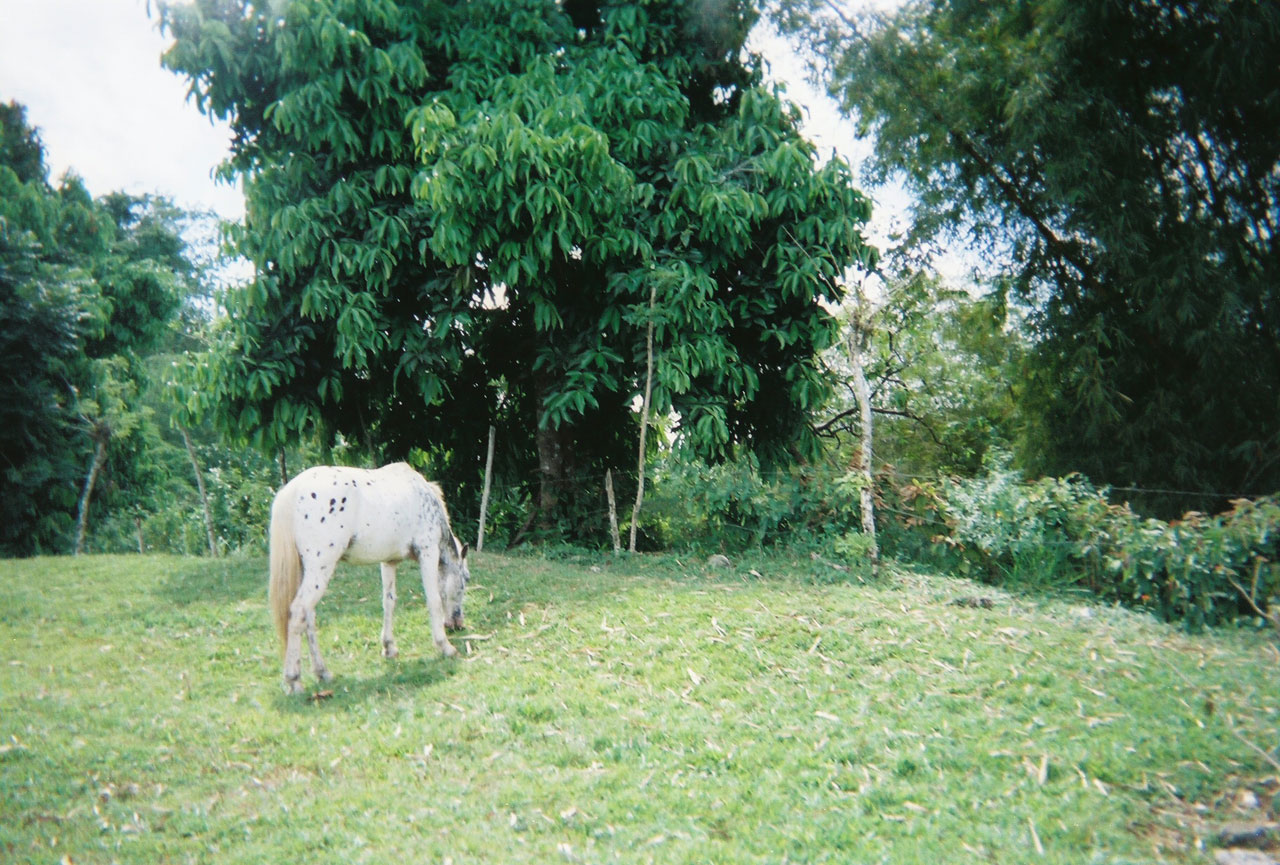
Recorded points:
363,515
398,511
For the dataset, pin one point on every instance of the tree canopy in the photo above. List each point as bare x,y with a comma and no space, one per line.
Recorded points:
1119,165
458,214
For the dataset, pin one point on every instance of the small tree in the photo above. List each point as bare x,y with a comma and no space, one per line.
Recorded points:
110,413
940,367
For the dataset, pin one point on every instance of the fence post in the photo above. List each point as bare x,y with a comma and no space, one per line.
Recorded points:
644,416
484,498
613,511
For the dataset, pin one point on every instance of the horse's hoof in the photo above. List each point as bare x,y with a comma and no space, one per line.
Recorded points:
449,651
292,687
390,652
324,676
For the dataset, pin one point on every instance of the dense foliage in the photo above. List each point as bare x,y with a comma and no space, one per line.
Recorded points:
87,289
1062,532
738,505
1118,164
466,215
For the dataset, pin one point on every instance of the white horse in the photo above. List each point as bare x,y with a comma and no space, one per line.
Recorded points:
362,516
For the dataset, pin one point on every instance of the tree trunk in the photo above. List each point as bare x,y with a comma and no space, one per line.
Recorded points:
555,459
644,418
858,338
552,447
101,437
204,495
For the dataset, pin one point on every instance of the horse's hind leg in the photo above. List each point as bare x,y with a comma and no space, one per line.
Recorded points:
388,608
317,663
302,618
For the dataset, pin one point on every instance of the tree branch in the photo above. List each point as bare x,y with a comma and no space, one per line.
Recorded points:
1010,186
827,425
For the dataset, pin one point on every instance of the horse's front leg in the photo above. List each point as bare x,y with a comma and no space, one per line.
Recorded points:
429,559
388,608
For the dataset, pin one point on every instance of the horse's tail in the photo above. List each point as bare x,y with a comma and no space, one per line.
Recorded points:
286,567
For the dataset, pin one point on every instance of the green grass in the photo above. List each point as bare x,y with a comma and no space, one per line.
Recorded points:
637,710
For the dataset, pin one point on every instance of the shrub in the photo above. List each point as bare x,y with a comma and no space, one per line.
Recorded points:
736,505
1201,569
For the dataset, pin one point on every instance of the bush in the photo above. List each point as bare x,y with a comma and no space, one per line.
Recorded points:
1202,570
735,505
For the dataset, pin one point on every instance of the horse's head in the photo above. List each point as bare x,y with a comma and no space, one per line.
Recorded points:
453,556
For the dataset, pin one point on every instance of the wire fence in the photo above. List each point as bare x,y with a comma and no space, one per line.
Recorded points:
675,491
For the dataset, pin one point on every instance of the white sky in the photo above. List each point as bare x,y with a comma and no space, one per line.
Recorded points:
89,74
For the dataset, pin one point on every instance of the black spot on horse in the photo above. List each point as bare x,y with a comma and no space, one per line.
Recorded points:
322,519
313,495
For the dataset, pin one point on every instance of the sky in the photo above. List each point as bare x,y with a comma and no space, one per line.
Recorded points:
89,74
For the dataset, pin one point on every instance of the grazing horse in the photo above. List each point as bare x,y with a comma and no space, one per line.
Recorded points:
329,514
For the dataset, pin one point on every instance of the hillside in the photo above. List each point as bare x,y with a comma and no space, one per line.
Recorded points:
637,710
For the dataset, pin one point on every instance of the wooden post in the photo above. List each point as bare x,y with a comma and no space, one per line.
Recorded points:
613,512
644,416
484,497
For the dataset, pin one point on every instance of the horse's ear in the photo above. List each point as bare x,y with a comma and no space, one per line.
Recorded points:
465,547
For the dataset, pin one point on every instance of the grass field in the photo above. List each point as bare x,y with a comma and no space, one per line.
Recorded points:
635,710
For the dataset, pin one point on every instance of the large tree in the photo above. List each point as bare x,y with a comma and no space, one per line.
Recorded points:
460,212
1119,162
